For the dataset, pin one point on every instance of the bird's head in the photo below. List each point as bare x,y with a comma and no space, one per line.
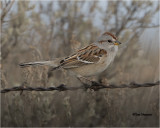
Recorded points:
108,39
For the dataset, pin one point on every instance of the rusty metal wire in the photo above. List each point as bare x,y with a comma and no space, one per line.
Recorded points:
94,86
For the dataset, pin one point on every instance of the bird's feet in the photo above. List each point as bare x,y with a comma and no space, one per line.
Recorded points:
88,84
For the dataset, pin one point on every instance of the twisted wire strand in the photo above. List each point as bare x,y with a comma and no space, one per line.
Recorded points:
94,85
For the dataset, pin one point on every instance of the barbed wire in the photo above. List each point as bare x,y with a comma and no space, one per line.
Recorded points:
94,86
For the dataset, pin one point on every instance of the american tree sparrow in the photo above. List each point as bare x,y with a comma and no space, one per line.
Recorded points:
87,61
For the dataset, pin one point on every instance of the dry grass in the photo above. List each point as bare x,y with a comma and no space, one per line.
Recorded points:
30,38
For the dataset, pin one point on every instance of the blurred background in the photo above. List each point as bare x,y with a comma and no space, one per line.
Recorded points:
43,30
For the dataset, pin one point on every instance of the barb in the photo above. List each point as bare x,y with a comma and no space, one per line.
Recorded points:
94,85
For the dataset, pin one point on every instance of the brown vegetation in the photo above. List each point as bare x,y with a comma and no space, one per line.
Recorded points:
32,31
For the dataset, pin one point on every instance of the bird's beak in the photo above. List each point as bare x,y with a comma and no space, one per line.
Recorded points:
117,42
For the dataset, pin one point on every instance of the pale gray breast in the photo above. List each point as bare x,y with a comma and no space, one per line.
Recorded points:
111,53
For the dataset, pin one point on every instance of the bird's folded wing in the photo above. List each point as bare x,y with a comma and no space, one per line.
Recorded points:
88,55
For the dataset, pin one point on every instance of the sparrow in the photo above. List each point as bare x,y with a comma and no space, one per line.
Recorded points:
88,61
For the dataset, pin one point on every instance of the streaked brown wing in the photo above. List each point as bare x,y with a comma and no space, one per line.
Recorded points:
88,55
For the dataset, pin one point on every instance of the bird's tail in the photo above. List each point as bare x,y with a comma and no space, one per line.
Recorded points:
52,63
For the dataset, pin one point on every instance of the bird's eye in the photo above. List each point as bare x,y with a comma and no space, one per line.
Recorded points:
109,41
